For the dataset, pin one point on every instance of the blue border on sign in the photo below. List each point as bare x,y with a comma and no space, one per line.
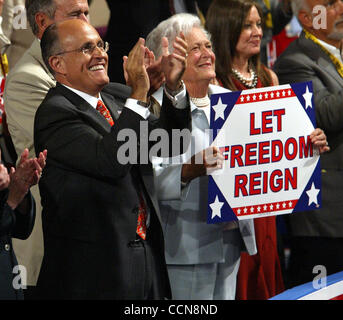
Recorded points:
228,98
298,89
227,213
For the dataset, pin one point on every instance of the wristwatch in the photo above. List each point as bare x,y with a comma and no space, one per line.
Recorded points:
142,103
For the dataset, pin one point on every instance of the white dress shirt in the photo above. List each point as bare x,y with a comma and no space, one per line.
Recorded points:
333,50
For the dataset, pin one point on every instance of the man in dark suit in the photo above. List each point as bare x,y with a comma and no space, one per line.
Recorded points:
101,224
317,236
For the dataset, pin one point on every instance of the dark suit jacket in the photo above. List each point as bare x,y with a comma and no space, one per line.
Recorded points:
17,225
90,201
302,61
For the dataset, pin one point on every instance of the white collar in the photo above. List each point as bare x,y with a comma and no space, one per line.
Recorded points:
332,49
93,101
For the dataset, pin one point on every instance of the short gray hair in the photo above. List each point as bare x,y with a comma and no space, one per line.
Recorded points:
298,5
34,6
170,28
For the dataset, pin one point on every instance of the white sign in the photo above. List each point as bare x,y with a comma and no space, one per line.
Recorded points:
270,164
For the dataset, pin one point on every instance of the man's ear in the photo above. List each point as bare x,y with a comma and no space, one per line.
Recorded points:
42,21
305,19
57,64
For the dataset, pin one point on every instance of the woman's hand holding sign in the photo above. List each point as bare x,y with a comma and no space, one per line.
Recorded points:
202,163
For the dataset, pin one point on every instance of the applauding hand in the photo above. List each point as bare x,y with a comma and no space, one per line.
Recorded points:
27,174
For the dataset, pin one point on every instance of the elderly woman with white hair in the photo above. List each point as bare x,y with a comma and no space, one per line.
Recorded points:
202,259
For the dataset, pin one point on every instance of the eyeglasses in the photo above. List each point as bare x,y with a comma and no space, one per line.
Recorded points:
89,48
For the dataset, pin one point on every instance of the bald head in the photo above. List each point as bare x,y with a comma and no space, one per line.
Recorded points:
71,30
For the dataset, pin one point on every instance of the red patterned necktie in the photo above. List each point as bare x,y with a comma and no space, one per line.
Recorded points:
142,215
104,111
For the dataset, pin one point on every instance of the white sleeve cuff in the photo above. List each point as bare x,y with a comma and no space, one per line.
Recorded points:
179,101
135,107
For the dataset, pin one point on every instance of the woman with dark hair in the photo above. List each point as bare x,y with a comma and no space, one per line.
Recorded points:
236,30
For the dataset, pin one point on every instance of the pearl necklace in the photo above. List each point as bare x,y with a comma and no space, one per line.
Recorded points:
244,80
201,102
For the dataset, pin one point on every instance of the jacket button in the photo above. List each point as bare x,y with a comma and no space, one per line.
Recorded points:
7,247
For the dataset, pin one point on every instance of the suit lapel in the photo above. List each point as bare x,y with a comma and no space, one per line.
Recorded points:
87,112
330,68
111,105
320,57
148,180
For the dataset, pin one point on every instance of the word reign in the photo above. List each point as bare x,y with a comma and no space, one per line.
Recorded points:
263,182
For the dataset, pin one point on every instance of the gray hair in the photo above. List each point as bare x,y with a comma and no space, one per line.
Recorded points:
298,5
34,6
170,28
